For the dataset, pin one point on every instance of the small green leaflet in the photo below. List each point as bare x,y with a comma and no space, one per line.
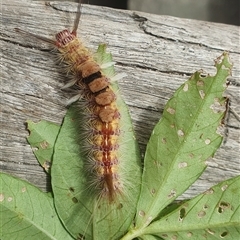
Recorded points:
42,139
186,136
27,213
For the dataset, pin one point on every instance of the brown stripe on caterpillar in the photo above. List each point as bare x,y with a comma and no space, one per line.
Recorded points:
105,96
91,77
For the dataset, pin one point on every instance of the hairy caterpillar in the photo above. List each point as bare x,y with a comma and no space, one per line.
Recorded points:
108,196
101,110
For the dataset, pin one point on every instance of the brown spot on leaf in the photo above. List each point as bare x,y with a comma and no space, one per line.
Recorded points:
164,140
209,191
1,197
10,199
172,193
46,165
182,165
224,187
141,213
200,83
201,214
180,133
153,191
185,88
202,94
207,141
44,144
210,231
171,110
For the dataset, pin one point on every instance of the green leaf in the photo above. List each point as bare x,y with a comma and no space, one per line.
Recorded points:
42,139
211,215
187,135
27,213
103,57
81,211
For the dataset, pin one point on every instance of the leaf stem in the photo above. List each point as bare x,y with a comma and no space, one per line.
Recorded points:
133,233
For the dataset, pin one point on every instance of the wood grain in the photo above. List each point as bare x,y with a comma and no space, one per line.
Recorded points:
158,53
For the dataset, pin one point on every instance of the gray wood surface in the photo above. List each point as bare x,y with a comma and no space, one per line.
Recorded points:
157,52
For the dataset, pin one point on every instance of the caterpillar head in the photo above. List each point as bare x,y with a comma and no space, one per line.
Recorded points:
64,37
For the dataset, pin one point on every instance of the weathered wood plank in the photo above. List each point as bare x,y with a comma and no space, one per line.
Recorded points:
157,52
